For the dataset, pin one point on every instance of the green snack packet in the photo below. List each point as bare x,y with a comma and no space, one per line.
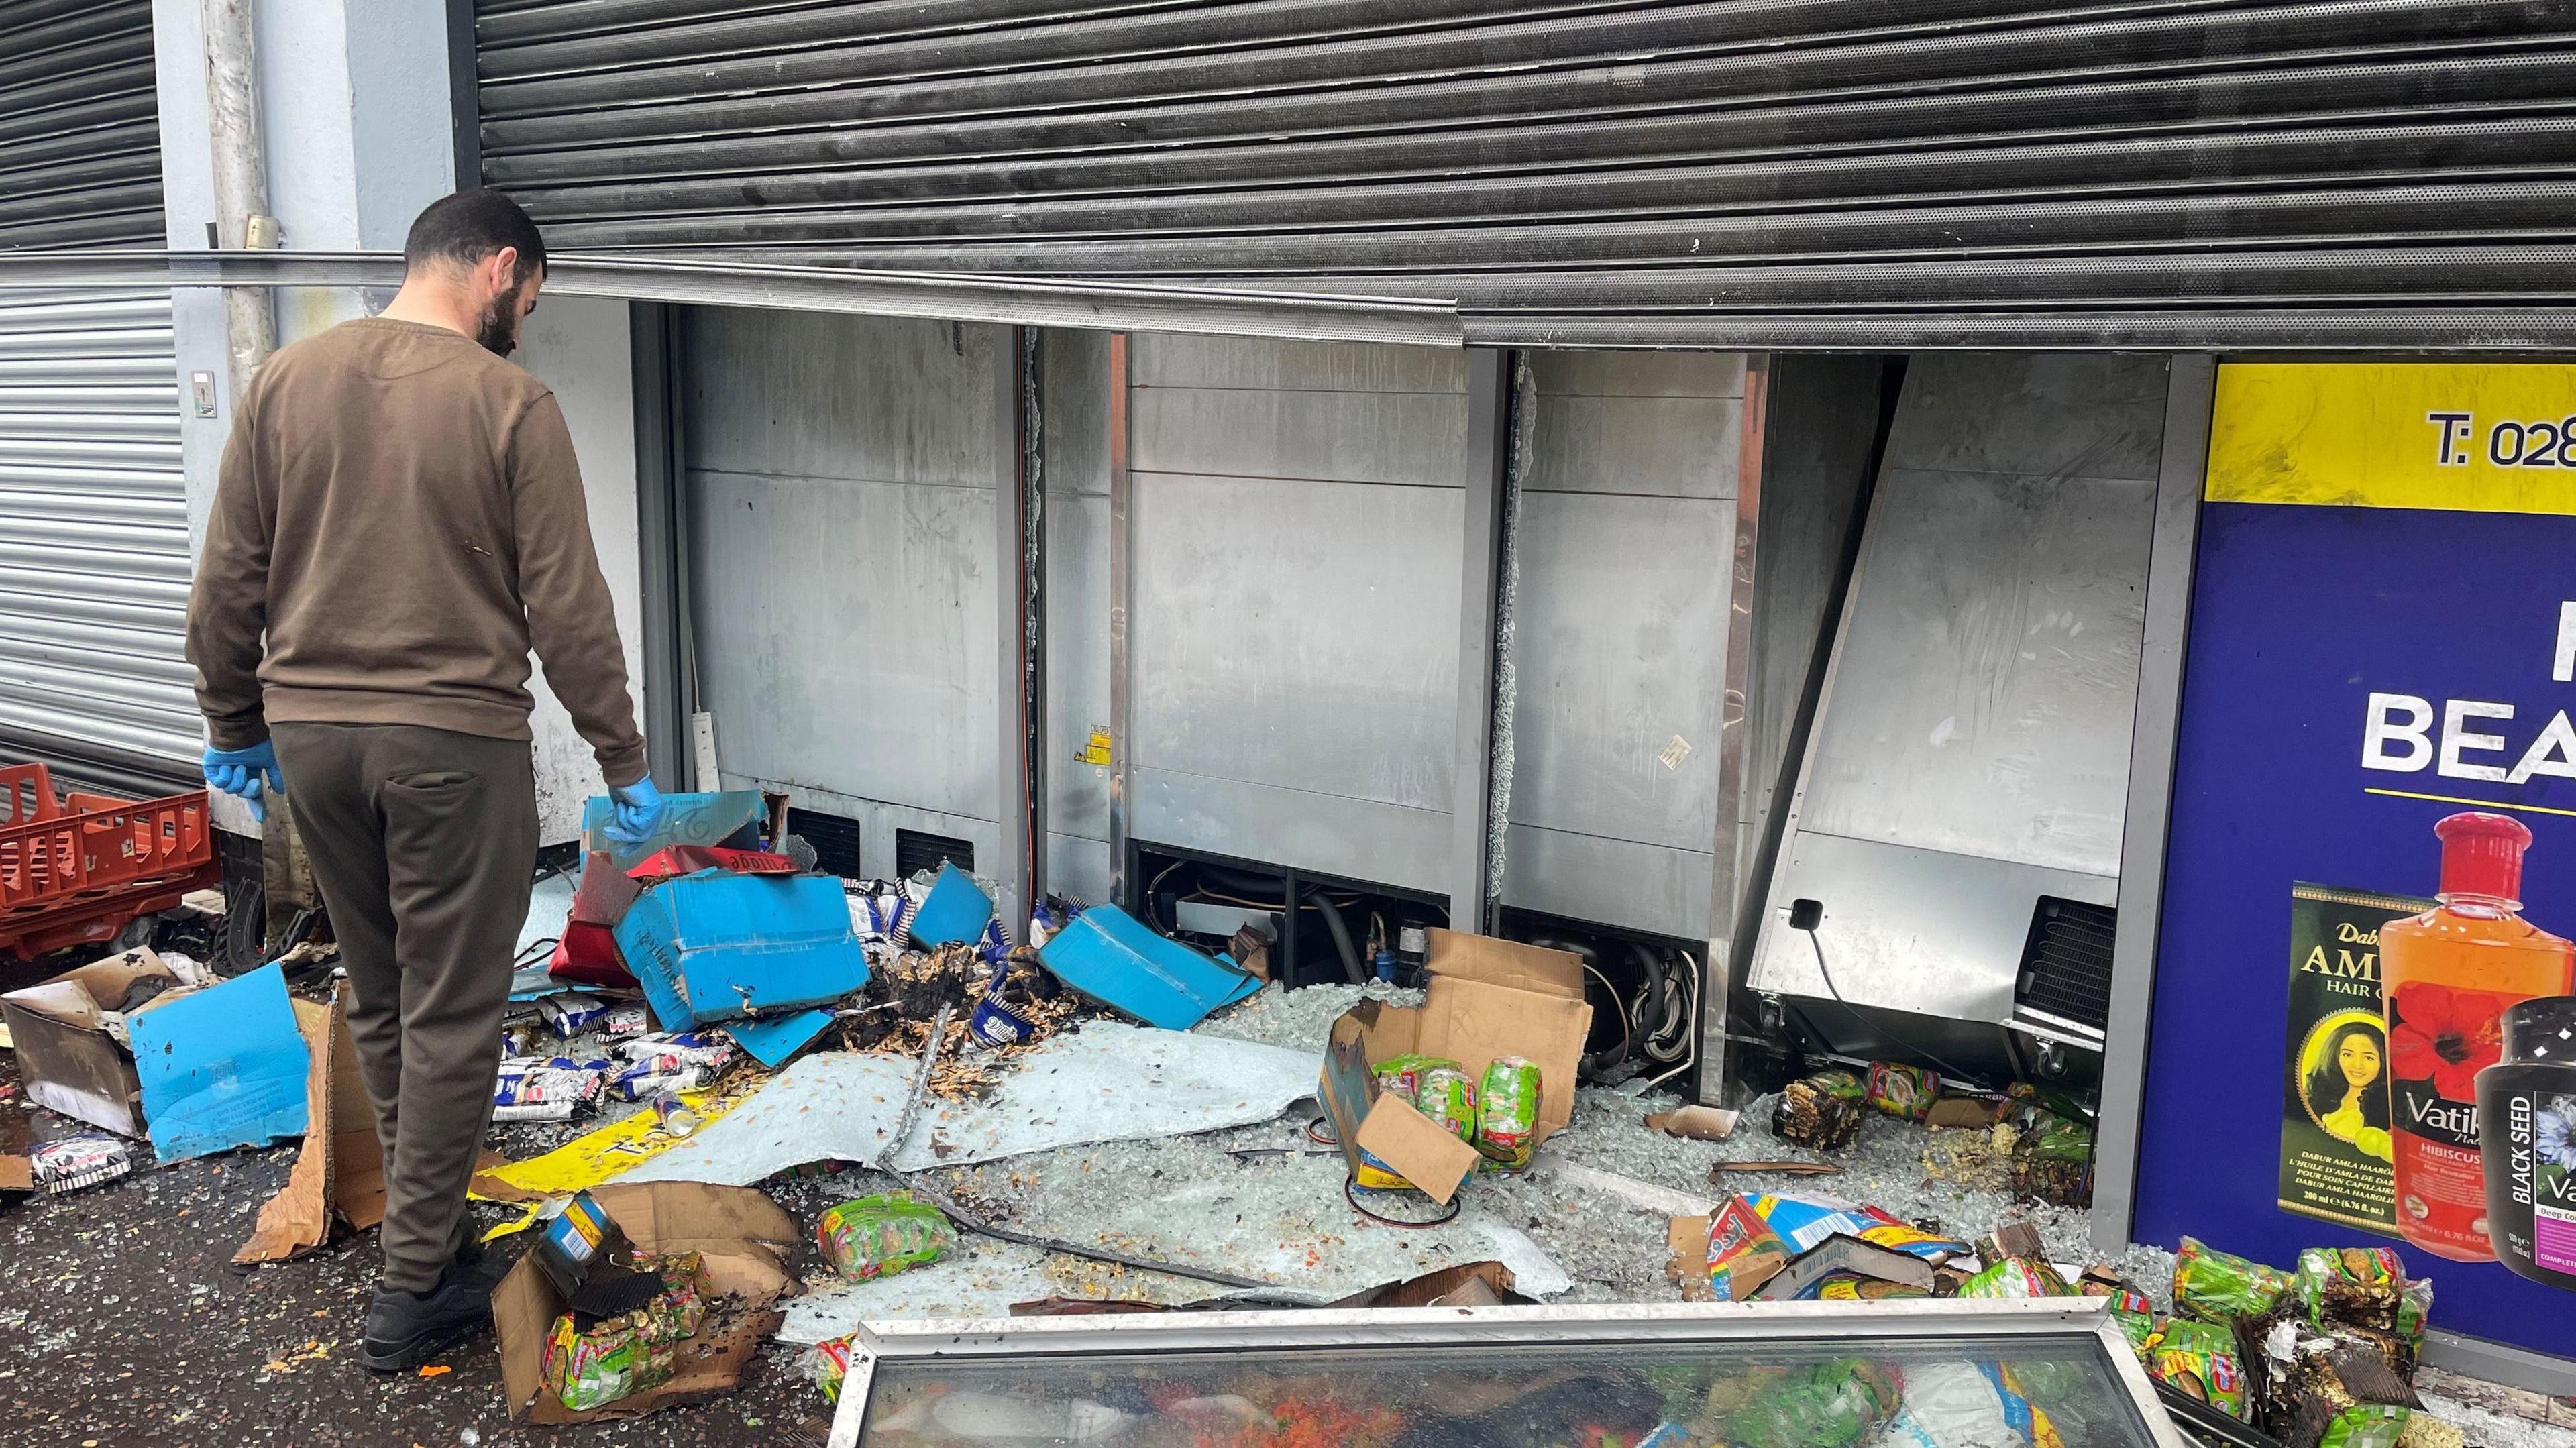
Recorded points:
1401,1076
2366,1425
2138,1327
2414,1306
1820,1112
2349,1286
1507,1111
1448,1097
1831,1405
2199,1358
2220,1287
2015,1278
623,1355
872,1236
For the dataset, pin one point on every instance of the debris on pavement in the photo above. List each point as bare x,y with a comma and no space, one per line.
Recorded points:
738,1237
1699,1123
870,1237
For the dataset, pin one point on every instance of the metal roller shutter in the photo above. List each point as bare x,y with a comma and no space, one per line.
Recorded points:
94,560
1752,173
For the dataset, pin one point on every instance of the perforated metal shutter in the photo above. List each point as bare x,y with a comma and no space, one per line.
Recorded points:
93,513
1753,173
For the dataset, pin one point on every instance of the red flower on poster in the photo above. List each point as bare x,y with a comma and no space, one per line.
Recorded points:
2445,1035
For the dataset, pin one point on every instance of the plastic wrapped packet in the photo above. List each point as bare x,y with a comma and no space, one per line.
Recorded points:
1507,1105
546,1088
76,1162
1827,1405
1805,1222
2138,1325
1820,1112
646,1079
873,1236
1401,1076
570,1013
1447,1095
2199,1359
684,1048
1951,1405
2055,1164
617,1357
1902,1091
829,1366
2349,1286
1743,1251
2220,1287
2015,1278
2414,1309
2366,1425
627,1020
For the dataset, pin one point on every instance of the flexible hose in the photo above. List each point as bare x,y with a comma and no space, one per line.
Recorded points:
1341,935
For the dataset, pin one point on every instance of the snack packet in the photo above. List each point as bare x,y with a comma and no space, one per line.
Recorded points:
1805,1222
1902,1091
570,1013
1401,1076
2055,1164
1507,1103
1827,1405
617,1357
2220,1287
1820,1112
1448,1097
1956,1403
873,1236
829,1366
1743,1251
75,1162
2015,1278
2199,1358
2349,1286
2366,1425
546,1088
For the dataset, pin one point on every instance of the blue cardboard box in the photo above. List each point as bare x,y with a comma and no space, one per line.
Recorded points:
718,946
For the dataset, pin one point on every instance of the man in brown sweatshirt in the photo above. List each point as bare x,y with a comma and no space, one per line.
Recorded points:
398,521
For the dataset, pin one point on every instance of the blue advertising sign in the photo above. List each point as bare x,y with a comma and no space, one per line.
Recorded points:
2383,637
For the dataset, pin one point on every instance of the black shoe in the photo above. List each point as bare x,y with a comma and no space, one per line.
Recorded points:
406,1329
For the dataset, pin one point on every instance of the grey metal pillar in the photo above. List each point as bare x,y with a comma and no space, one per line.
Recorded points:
661,544
1471,873
2191,385
1122,608
1015,579
1732,847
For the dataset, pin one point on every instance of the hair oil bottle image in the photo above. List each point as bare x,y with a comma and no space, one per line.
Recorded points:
2527,1121
2448,976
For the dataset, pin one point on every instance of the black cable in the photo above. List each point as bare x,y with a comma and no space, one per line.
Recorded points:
1350,1194
1955,1073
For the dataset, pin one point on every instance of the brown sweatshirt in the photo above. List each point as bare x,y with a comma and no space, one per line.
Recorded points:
400,513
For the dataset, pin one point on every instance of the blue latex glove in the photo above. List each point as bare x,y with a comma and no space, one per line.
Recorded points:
239,771
639,812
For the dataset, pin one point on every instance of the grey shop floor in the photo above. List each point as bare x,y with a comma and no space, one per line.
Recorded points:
121,1322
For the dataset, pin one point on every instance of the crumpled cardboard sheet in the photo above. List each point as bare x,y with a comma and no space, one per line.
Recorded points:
1105,1082
341,1169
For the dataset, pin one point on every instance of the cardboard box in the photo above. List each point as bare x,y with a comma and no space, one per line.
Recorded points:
341,1170
1485,998
70,1058
743,1236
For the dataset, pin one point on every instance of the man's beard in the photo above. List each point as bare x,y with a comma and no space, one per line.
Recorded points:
498,331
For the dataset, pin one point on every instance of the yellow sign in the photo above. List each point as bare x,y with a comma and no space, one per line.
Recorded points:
1095,750
2458,436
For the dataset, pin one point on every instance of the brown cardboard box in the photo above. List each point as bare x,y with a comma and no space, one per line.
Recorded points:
1485,998
742,1235
66,1055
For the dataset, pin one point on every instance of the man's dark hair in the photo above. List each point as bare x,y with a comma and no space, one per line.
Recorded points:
471,225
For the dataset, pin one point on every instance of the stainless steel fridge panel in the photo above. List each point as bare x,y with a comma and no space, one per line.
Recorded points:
1909,929
1984,690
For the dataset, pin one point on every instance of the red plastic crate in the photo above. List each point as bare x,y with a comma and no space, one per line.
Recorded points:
74,868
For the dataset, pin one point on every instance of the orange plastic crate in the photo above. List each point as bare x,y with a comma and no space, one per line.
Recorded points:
76,867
